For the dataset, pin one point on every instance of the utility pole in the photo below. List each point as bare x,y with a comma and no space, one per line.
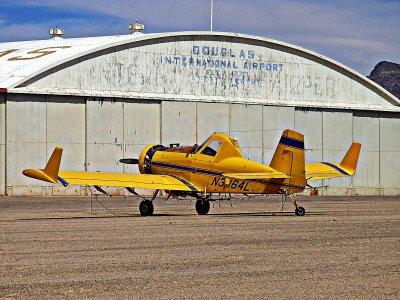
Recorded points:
212,10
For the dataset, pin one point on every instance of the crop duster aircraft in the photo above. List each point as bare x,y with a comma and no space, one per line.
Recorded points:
215,167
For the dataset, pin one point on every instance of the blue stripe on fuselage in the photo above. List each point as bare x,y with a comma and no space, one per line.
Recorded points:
185,168
336,168
188,184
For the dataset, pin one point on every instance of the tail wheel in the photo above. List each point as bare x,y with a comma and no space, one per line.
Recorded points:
146,208
202,207
300,211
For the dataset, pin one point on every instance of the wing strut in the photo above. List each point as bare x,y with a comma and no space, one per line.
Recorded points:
132,191
98,188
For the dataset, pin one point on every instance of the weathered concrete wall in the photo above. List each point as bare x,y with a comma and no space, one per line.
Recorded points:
35,125
26,141
141,127
178,122
389,154
309,122
105,135
337,136
65,123
366,131
211,117
215,69
97,132
275,121
119,128
246,126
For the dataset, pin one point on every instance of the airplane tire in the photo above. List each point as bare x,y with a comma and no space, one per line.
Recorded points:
146,208
202,207
300,211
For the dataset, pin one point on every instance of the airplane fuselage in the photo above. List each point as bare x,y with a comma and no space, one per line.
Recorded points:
202,171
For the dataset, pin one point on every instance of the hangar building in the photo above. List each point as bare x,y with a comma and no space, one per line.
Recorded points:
104,98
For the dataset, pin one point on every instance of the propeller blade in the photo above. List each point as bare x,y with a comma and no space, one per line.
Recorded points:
129,161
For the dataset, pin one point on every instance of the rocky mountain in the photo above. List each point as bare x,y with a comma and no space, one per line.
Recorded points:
387,75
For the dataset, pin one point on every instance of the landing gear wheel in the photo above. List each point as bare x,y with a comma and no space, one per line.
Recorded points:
300,211
202,207
146,208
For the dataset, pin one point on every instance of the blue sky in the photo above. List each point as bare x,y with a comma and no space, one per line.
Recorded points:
357,33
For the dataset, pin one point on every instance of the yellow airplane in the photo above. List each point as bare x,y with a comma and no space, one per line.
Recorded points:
215,167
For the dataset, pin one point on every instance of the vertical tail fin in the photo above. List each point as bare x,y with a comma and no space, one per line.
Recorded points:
289,158
350,160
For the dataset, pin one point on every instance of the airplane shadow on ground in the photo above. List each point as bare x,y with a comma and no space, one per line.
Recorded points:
160,215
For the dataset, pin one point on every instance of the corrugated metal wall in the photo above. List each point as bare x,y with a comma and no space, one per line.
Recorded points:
97,132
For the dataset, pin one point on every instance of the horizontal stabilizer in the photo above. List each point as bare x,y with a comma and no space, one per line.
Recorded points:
325,170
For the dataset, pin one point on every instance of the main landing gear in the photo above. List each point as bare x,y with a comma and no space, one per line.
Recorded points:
202,206
299,211
146,207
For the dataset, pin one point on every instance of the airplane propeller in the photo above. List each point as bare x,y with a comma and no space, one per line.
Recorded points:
129,161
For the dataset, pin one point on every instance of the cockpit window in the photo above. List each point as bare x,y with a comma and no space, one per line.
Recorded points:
212,148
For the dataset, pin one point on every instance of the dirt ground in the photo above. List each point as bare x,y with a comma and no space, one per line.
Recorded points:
57,248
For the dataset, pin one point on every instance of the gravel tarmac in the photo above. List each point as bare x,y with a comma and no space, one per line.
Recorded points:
60,248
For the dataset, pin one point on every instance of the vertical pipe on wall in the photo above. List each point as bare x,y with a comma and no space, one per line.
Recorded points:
379,149
197,123
86,134
212,15
352,140
262,134
123,133
161,121
46,139
322,151
5,145
230,118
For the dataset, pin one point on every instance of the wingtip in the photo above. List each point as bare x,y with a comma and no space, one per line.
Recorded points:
38,174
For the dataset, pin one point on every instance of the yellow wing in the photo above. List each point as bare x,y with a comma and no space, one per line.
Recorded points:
324,170
147,181
258,176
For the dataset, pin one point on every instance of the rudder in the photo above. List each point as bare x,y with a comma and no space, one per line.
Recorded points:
289,158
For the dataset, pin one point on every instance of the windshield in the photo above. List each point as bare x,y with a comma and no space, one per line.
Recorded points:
212,148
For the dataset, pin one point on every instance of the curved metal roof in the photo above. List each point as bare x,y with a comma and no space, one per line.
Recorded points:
17,65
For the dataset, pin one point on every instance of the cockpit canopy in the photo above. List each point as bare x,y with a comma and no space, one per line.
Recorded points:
220,146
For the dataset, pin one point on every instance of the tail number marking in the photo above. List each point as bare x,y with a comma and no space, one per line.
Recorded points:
233,183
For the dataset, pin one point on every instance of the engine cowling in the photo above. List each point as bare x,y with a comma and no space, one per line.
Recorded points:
146,157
